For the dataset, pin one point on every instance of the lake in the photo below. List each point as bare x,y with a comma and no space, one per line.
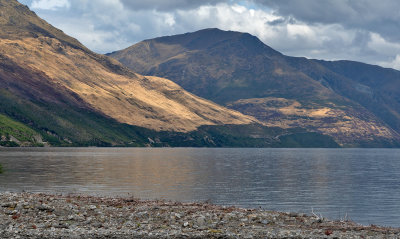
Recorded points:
363,184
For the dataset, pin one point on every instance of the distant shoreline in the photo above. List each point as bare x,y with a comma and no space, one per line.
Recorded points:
29,215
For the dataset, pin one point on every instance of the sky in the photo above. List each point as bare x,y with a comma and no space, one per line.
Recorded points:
360,30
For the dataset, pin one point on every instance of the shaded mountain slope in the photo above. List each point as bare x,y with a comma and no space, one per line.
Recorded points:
219,68
55,85
103,84
375,87
54,91
239,71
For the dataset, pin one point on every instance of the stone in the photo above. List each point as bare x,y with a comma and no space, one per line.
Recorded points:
92,207
9,205
265,222
201,221
141,220
44,207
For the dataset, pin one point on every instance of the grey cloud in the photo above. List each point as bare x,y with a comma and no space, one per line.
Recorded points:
276,22
328,11
326,29
163,5
377,16
281,21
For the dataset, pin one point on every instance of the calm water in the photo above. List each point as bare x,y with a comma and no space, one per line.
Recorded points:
362,183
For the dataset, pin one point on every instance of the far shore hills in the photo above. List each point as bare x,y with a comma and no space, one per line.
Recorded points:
209,88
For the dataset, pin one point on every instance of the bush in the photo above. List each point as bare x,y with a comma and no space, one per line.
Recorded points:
9,144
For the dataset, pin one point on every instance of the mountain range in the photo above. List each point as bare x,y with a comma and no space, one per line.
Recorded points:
55,91
356,104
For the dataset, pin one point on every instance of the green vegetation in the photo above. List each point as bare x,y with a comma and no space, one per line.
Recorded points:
11,131
9,144
307,140
68,126
249,136
1,169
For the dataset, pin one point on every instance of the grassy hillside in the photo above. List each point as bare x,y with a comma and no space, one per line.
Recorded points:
350,102
71,96
13,133
68,126
33,54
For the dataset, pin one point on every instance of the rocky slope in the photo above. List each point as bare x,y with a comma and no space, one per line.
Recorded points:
239,71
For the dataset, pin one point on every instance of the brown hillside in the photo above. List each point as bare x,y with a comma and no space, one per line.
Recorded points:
237,70
96,81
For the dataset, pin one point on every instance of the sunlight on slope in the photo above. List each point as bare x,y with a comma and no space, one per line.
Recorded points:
149,102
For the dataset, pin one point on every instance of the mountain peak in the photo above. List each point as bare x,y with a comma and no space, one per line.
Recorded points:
64,88
14,13
17,21
239,71
210,37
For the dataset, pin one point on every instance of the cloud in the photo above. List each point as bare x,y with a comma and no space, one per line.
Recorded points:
329,29
377,16
395,64
50,4
162,5
288,35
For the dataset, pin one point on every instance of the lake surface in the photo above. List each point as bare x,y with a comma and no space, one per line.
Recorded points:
362,183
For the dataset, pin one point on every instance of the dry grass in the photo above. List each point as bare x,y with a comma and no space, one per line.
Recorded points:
150,102
334,121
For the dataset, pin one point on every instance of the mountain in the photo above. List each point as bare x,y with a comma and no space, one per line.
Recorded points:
54,91
355,103
53,83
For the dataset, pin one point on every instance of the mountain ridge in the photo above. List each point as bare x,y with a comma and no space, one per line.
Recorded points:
101,82
237,70
45,69
54,91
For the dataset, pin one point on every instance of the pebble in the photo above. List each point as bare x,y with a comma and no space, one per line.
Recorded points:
21,216
92,207
265,222
201,221
45,208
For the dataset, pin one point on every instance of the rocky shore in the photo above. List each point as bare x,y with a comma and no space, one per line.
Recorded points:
26,215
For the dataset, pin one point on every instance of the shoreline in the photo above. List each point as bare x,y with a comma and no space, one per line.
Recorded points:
30,215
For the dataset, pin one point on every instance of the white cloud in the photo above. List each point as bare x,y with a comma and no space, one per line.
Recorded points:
227,17
109,25
382,46
50,4
395,63
291,37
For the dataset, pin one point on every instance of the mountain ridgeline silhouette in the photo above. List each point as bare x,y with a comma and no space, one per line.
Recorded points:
55,91
355,103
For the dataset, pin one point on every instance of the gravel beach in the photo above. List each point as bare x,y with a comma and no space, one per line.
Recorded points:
27,215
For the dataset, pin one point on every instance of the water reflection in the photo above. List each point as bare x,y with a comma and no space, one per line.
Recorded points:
362,183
